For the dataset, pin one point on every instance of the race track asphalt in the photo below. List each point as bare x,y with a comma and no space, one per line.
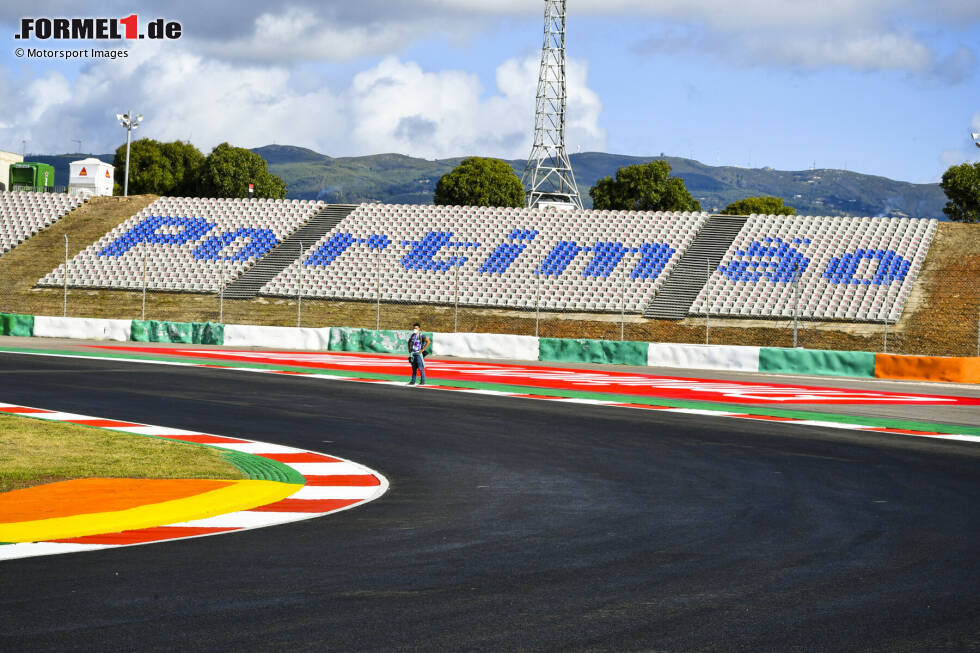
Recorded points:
517,524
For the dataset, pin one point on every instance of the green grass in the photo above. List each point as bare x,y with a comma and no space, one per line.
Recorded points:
34,451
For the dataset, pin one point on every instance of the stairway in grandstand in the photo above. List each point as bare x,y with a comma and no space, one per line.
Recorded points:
288,251
689,275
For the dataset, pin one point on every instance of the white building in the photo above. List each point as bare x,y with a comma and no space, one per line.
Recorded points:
6,158
90,177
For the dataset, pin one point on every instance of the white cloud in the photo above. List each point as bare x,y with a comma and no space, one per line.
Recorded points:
866,51
866,35
394,106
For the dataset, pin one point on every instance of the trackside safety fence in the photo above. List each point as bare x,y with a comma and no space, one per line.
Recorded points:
505,346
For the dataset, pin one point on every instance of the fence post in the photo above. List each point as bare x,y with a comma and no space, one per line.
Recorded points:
64,308
299,291
222,281
537,302
796,301
456,308
622,307
707,300
377,326
143,302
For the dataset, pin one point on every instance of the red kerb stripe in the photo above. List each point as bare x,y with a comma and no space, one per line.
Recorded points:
144,535
105,423
306,505
202,438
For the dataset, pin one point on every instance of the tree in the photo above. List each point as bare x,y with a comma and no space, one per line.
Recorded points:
478,181
645,187
149,170
159,168
767,205
228,171
962,187
186,163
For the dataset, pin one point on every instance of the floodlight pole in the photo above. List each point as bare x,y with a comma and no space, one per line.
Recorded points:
130,122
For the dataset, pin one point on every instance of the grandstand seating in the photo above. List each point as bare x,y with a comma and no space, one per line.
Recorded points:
499,254
188,244
23,214
856,269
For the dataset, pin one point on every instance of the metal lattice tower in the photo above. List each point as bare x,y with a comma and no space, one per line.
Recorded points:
548,176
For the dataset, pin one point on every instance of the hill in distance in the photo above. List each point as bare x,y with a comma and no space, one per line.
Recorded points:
401,179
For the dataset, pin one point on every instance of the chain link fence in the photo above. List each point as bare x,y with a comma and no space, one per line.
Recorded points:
942,316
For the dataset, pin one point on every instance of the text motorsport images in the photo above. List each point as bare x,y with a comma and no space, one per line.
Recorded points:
94,53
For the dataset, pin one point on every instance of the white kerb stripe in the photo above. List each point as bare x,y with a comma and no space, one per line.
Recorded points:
162,431
248,519
336,492
329,469
258,447
28,549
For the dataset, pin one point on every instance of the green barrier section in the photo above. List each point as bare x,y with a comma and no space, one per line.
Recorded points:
15,324
344,339
208,333
369,340
817,362
592,351
189,333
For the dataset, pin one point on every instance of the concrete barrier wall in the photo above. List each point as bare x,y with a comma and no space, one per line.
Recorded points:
703,357
485,345
592,351
369,340
190,333
817,362
311,339
82,327
16,324
928,368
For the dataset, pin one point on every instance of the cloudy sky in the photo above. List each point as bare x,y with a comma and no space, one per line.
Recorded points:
885,87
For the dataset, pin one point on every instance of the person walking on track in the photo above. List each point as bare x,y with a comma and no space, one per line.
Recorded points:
418,343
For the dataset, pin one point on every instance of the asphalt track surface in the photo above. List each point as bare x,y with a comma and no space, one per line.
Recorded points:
520,525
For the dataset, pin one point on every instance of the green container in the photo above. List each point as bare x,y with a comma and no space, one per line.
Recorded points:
32,176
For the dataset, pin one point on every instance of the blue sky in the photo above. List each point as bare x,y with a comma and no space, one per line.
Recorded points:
884,87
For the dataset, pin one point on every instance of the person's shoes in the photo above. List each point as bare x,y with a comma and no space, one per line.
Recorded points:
421,382
411,383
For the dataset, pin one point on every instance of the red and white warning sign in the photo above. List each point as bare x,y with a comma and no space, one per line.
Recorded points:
83,173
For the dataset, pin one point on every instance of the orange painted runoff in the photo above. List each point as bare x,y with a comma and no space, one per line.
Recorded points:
90,495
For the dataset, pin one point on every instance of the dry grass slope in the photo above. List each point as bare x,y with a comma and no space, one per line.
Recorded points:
940,319
33,451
